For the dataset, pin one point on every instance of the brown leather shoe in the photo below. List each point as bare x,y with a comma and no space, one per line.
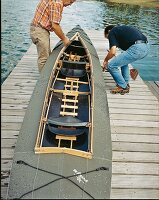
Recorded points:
127,86
120,90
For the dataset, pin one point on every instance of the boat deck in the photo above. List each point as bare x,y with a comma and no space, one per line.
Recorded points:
134,120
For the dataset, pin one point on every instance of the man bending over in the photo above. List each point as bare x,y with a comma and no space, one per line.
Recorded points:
134,45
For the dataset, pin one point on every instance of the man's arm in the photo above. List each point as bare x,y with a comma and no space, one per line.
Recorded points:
111,53
58,31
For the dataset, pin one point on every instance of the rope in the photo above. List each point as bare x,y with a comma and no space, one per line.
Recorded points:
61,177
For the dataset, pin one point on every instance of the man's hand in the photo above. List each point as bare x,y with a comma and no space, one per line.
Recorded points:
58,31
105,66
66,41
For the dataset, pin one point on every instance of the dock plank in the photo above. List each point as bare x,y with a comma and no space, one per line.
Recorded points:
135,181
141,117
133,101
136,138
6,143
145,157
130,168
136,106
11,126
134,147
134,193
119,122
7,134
135,130
7,153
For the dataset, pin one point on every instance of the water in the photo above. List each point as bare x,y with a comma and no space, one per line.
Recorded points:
90,14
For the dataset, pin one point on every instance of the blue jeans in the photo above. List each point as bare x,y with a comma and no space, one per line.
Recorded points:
118,66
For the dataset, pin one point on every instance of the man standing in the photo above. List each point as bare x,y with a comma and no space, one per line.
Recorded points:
135,47
47,19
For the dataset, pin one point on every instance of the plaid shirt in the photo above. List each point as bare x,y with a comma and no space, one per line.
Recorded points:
47,12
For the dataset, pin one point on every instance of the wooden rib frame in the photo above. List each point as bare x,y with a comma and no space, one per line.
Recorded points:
38,145
70,151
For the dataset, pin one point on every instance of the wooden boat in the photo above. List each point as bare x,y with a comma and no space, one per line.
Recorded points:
67,115
64,145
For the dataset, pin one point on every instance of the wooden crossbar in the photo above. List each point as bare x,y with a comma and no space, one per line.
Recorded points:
69,92
66,54
68,113
70,100
71,78
68,106
81,82
63,137
74,86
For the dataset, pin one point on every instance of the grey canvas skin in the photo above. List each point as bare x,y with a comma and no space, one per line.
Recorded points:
61,176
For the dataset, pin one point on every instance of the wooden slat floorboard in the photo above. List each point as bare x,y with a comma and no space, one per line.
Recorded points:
134,121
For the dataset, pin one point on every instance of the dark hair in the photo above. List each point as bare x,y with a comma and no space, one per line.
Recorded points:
108,28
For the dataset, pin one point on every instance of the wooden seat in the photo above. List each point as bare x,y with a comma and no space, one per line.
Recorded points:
69,72
67,121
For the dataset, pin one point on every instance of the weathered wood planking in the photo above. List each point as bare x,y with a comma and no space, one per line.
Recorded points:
134,125
135,142
135,193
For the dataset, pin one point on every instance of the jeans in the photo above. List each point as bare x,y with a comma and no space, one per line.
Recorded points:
118,66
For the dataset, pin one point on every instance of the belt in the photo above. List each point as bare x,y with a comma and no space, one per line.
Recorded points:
38,25
140,41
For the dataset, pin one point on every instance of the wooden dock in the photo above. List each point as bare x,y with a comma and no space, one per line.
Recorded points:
134,120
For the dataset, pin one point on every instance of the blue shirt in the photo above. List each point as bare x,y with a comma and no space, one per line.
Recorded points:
124,36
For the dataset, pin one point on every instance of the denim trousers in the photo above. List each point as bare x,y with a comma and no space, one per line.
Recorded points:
118,66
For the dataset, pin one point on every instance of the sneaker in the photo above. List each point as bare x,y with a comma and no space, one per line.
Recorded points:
120,90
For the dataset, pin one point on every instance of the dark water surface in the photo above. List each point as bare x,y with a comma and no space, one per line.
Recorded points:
16,16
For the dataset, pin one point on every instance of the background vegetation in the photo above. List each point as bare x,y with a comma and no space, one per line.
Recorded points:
145,3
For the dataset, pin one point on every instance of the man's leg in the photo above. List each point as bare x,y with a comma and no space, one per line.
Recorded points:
43,48
120,61
125,73
135,52
41,38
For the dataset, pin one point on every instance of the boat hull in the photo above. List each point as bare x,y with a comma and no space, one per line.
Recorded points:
62,175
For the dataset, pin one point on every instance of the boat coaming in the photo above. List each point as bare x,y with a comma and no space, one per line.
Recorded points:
67,116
